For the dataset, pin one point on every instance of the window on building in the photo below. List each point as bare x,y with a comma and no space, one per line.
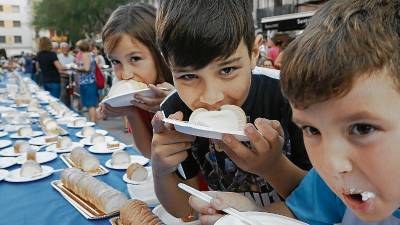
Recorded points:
2,39
1,23
17,39
15,8
16,23
1,8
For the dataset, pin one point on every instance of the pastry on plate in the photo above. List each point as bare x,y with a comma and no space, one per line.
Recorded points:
84,160
88,131
125,86
63,142
25,131
21,146
136,212
97,139
137,172
229,117
30,168
79,122
120,158
100,194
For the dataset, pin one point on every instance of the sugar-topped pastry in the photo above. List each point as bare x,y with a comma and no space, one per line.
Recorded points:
21,146
136,212
137,172
80,122
51,139
64,142
120,158
31,155
98,193
88,131
229,117
84,160
125,86
44,119
97,139
30,168
25,131
51,125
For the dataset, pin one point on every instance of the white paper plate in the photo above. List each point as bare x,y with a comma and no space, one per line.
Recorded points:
144,192
6,109
148,179
41,157
261,217
7,162
5,143
86,141
134,159
3,174
19,106
10,151
3,134
201,131
34,134
88,124
72,115
53,148
169,219
6,101
80,135
93,149
40,140
34,115
125,99
12,128
14,175
66,120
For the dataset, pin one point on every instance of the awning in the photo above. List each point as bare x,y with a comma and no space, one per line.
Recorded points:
295,21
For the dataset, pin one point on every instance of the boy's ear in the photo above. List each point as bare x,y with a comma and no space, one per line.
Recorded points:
255,52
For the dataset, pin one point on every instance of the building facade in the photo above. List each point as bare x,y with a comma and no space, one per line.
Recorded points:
16,32
269,8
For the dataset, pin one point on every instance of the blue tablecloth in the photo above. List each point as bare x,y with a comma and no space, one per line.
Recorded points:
37,203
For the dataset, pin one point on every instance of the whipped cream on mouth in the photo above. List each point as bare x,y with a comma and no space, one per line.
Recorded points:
361,195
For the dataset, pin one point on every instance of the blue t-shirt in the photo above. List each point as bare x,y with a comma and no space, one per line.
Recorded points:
313,202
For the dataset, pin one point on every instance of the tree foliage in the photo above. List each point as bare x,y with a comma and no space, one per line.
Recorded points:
75,18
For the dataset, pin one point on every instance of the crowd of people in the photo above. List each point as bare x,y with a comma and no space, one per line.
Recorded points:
323,139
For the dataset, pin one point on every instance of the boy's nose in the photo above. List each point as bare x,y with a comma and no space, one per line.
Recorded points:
211,98
338,157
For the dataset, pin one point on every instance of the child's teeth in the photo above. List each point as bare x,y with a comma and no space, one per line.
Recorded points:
367,195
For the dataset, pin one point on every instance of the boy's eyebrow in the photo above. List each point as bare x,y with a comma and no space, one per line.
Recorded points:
229,61
359,115
183,70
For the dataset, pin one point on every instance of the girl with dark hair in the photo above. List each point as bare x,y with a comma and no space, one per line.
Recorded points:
130,42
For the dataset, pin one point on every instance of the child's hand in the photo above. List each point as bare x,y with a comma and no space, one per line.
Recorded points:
152,104
210,212
267,143
105,110
168,147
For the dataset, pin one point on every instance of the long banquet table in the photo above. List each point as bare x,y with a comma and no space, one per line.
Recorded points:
37,203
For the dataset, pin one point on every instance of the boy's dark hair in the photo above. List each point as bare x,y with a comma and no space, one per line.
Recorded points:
136,21
196,32
346,39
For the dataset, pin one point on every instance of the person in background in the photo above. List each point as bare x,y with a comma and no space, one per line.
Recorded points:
86,66
67,60
49,66
96,50
29,66
274,48
130,42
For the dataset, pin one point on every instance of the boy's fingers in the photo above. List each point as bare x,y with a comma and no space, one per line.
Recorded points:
278,127
201,206
158,91
260,145
270,134
210,219
157,123
235,150
148,100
